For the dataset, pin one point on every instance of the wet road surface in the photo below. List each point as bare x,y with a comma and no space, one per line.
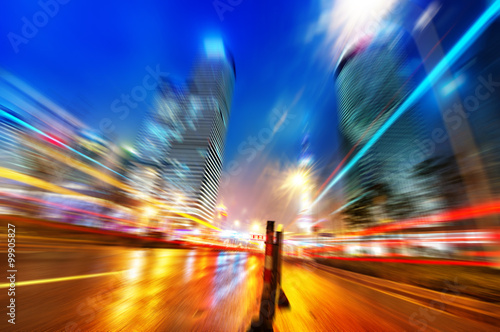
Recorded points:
101,288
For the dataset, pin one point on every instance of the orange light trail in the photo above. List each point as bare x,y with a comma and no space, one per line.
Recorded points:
50,280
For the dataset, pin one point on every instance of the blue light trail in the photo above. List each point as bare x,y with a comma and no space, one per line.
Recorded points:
453,55
27,125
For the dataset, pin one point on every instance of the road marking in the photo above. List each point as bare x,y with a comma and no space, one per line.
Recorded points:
46,281
52,246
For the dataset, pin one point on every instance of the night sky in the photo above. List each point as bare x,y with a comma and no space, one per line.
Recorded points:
90,53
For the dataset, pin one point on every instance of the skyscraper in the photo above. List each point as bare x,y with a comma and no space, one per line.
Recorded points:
183,139
372,80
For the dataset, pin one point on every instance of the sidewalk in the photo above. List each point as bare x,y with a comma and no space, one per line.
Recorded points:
448,300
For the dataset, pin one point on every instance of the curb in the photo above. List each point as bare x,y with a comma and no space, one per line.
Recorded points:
453,304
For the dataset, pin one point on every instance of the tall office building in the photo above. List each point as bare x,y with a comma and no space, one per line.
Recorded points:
372,80
183,139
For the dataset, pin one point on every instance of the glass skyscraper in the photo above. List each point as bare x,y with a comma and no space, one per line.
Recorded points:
372,80
182,140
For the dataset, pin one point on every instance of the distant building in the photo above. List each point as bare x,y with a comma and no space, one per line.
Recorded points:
305,218
183,138
41,126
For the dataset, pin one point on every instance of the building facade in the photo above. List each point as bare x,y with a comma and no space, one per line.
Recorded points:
182,140
372,80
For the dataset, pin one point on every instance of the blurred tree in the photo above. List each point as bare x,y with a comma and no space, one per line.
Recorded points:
381,194
359,213
378,204
400,207
443,180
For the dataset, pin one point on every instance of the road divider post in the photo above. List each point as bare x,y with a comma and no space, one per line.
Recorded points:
272,291
282,299
268,299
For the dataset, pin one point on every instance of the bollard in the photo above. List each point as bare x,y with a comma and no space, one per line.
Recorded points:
268,299
282,299
279,252
268,262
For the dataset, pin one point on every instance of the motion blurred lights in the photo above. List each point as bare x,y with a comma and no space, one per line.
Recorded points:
214,48
359,18
362,8
229,233
130,149
305,225
449,59
297,179
27,125
427,16
150,211
453,85
306,161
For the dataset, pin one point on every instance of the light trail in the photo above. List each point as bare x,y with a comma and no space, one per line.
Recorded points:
86,169
411,261
197,220
449,59
367,130
48,186
349,203
47,281
35,182
471,212
27,179
63,207
38,131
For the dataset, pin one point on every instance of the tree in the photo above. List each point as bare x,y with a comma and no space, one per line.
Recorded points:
358,214
443,180
400,207
381,194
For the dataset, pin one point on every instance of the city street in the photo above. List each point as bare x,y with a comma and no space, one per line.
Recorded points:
104,288
251,166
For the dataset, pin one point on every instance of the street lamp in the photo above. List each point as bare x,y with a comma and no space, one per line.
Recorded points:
298,179
237,223
300,182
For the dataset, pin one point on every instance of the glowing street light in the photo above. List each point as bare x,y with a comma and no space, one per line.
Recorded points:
298,179
236,223
150,211
130,149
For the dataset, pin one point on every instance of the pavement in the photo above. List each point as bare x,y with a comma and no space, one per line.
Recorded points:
75,287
